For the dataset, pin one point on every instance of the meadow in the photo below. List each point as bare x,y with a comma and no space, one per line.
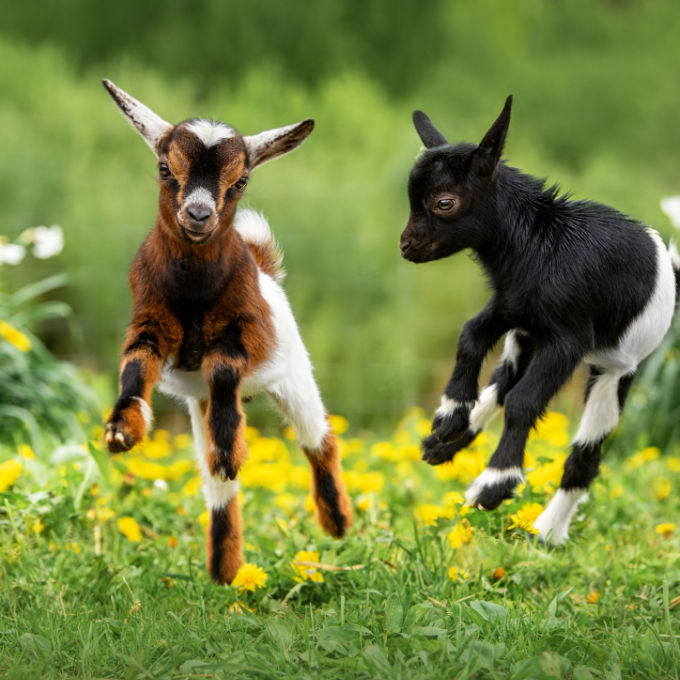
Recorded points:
102,560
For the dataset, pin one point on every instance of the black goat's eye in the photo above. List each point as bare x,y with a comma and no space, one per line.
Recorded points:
164,170
445,204
241,184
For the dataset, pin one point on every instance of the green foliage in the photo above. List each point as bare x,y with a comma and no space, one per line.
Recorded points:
593,110
41,396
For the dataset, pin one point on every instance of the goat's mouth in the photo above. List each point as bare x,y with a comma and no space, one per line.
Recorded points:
195,237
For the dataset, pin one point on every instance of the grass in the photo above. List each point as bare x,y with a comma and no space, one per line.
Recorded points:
79,598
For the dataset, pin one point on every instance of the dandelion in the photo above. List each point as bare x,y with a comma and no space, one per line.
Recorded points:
593,596
525,517
14,337
661,488
130,529
9,473
249,577
457,574
428,514
338,424
38,527
192,487
665,528
460,534
182,441
204,518
616,492
25,451
371,481
304,572
364,503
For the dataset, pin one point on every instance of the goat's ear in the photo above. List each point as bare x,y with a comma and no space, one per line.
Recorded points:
272,143
151,126
427,132
488,154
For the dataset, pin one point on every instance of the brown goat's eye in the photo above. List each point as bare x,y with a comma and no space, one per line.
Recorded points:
241,184
164,170
445,204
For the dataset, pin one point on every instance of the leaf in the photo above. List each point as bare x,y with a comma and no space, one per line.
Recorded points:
394,614
489,611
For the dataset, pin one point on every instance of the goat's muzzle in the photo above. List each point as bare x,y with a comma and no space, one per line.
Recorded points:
197,222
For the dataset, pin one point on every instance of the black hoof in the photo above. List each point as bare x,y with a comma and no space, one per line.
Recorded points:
435,452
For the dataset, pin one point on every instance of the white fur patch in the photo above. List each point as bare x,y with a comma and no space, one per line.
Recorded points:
511,349
253,227
674,255
287,375
601,412
485,408
447,406
145,410
491,477
211,132
553,523
200,196
647,329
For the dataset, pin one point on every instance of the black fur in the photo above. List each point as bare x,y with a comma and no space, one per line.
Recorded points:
131,386
326,489
224,416
219,530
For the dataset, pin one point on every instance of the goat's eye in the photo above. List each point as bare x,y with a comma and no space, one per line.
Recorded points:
241,184
164,170
445,204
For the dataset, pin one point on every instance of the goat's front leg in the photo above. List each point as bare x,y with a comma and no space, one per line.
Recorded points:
549,369
144,353
452,418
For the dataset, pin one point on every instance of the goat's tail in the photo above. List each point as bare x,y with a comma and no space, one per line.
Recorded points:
675,261
254,230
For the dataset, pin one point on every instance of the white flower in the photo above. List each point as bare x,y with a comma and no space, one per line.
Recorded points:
671,206
11,253
47,241
161,484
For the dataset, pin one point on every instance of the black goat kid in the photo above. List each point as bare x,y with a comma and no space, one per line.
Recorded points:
572,281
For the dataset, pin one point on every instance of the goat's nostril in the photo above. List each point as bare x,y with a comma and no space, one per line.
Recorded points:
199,213
405,245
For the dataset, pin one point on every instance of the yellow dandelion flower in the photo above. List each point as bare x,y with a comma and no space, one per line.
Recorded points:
14,337
25,451
309,504
641,457
525,517
182,441
673,464
460,534
547,476
457,574
355,445
105,514
665,529
338,424
287,502
204,518
129,528
289,433
661,488
371,481
9,473
593,596
249,577
192,487
428,513
553,429
364,503
305,572
616,492
38,527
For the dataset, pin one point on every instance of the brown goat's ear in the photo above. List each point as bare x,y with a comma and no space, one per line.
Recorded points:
488,153
272,143
151,126
427,132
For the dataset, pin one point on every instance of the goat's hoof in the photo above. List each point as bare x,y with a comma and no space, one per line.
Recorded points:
452,426
436,452
492,487
118,438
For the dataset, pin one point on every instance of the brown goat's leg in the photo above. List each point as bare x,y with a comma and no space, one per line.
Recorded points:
333,507
144,352
223,542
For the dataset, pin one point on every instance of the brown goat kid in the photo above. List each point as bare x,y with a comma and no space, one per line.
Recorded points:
211,324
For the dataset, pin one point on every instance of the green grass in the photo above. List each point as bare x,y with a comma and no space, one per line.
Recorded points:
78,599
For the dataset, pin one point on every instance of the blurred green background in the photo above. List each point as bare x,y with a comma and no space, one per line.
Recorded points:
597,109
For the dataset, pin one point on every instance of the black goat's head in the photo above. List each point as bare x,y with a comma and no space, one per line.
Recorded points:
451,191
203,165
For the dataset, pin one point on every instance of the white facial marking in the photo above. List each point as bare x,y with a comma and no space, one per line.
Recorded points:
145,409
553,523
491,477
210,132
485,409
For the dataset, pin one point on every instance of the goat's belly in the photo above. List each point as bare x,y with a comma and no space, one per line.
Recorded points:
178,383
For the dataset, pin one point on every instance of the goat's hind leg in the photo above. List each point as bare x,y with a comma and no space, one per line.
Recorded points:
223,538
300,403
606,394
517,351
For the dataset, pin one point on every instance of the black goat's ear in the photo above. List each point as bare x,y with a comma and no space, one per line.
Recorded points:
427,131
488,154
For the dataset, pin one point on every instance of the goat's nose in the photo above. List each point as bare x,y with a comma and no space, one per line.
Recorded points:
405,244
198,213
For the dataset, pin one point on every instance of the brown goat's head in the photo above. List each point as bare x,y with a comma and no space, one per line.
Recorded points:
203,165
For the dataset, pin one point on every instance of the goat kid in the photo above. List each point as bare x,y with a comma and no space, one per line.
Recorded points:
572,281
212,324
